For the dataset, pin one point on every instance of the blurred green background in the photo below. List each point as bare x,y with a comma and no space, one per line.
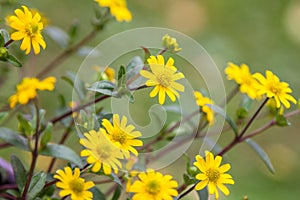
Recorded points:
263,34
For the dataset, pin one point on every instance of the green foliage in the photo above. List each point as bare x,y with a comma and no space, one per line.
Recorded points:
14,139
103,87
117,193
36,185
20,172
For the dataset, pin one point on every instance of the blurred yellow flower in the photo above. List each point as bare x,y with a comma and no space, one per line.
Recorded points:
28,28
170,43
212,174
202,101
118,9
73,185
27,90
163,78
153,186
101,152
242,76
123,136
273,88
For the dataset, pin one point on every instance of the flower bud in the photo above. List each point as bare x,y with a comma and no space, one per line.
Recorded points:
3,54
170,43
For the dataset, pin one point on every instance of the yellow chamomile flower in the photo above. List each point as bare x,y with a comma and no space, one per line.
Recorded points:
153,186
212,174
118,9
101,152
163,77
242,76
123,136
170,43
28,28
27,90
273,88
202,101
72,184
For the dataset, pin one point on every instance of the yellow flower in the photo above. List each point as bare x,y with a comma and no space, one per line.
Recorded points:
118,9
202,102
273,88
109,73
101,152
72,184
123,136
170,43
153,186
212,174
28,28
163,77
27,90
242,76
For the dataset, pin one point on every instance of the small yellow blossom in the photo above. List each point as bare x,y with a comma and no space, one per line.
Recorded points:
27,90
242,76
202,102
28,29
212,174
118,9
170,43
273,88
72,184
123,136
153,186
101,152
163,78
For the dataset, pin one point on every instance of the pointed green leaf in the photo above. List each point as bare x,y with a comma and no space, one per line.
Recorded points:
3,115
97,194
103,87
115,178
222,112
117,193
262,154
63,152
281,120
46,135
244,107
20,173
121,72
5,35
12,60
14,138
24,125
188,179
203,194
2,42
76,83
36,185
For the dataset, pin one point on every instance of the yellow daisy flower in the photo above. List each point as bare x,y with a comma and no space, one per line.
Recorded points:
212,174
101,152
242,76
28,28
118,9
153,186
123,136
163,78
27,90
202,102
73,185
273,88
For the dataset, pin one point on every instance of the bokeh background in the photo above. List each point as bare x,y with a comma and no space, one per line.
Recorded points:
263,34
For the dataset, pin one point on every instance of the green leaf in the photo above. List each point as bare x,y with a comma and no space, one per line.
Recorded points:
121,73
20,173
262,154
221,112
115,178
147,54
63,152
117,193
58,35
281,120
46,135
24,125
188,179
3,115
97,194
2,42
36,185
203,194
5,35
73,32
103,87
244,107
14,138
76,83
12,60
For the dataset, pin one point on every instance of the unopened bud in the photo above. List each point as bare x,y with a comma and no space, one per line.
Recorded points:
3,54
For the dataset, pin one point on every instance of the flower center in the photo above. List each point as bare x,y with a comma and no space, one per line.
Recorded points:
153,187
213,175
104,152
76,185
164,79
119,136
31,29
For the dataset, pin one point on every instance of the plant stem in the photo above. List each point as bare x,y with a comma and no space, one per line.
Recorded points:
187,192
64,55
8,43
34,152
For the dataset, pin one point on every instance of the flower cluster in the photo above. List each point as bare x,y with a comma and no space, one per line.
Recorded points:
204,103
28,88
